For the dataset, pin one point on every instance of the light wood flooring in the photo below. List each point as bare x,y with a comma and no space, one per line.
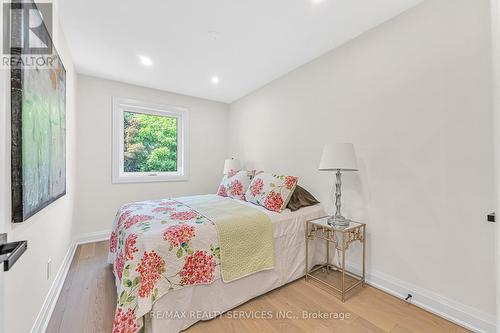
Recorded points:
87,304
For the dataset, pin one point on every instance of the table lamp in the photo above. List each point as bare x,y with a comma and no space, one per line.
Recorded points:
338,157
231,164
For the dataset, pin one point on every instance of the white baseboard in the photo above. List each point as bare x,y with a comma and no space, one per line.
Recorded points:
456,312
461,314
50,301
42,320
93,237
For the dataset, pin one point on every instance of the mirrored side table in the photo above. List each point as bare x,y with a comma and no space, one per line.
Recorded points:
334,276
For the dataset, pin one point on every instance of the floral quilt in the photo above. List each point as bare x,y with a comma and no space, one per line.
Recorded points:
156,247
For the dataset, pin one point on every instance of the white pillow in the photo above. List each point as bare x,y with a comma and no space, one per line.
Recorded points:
235,184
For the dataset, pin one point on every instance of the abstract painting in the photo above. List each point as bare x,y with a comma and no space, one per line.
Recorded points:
38,149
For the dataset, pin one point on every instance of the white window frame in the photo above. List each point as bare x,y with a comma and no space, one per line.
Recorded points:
121,105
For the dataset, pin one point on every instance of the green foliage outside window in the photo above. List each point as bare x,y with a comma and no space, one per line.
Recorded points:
150,143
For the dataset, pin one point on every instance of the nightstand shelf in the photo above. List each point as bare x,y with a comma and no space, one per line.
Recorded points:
337,278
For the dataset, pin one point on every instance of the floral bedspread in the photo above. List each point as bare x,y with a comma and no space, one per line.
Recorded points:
156,247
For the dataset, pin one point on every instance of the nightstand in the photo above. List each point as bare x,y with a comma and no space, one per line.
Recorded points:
336,277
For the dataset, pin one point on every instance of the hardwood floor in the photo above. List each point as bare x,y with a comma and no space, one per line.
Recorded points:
87,304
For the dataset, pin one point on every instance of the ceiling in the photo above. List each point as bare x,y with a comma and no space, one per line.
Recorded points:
245,43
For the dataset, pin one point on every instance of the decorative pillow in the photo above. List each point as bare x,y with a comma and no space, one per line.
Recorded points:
234,184
271,191
301,198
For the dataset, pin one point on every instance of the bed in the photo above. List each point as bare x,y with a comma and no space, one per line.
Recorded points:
182,303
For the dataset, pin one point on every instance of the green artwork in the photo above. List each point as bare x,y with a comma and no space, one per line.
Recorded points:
38,124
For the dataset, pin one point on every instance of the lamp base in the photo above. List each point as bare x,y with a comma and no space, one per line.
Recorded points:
338,221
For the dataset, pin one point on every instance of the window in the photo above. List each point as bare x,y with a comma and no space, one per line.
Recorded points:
149,142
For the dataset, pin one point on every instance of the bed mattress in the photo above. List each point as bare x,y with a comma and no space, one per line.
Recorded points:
181,308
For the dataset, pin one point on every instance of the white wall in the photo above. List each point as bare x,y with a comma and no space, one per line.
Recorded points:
495,37
98,198
414,96
49,232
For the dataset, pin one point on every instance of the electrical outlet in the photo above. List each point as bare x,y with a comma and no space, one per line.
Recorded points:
49,266
491,217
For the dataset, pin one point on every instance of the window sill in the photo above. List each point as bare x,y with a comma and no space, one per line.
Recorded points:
148,179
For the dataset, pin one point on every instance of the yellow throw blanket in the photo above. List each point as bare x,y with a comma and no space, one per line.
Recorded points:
245,234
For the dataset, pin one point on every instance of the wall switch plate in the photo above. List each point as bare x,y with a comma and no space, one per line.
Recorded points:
49,267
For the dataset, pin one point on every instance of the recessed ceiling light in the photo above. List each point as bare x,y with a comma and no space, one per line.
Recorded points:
317,2
215,79
146,61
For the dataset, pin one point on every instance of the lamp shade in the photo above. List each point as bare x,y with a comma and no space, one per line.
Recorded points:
231,164
338,156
